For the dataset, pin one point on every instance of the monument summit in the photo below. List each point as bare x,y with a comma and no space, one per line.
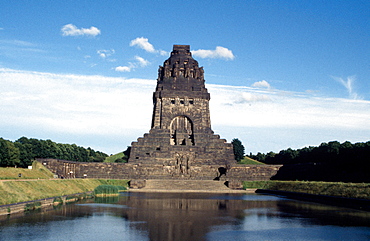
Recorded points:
181,138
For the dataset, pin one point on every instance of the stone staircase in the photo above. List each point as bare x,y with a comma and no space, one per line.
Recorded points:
170,185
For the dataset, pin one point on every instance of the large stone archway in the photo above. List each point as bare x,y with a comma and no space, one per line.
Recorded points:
181,131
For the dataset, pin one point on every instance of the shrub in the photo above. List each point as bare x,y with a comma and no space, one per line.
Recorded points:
121,188
106,190
32,206
58,201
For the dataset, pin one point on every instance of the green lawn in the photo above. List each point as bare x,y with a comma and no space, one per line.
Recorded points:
340,189
21,191
114,157
38,171
250,161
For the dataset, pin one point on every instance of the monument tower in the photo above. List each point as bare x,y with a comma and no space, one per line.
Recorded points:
181,139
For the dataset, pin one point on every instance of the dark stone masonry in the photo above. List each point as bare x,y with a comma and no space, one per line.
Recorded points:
181,138
180,143
237,172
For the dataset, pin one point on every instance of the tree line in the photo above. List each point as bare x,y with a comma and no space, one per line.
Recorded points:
332,152
333,161
23,151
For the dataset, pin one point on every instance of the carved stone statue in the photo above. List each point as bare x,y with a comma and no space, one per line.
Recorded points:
201,73
160,72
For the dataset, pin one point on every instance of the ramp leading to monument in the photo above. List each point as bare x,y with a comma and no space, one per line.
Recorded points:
170,185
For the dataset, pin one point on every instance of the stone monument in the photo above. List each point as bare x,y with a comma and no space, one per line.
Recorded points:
181,139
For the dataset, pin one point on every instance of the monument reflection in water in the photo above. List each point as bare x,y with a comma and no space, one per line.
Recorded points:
171,216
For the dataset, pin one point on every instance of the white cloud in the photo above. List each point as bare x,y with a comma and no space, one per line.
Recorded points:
50,106
18,43
142,62
287,109
261,84
144,44
348,85
72,30
246,97
123,69
104,53
163,53
16,48
218,53
72,103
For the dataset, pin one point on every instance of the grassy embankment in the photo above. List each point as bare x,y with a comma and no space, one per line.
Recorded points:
37,187
114,157
21,191
38,171
250,161
349,190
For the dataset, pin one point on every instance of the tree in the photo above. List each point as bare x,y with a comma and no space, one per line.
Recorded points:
24,150
9,154
238,149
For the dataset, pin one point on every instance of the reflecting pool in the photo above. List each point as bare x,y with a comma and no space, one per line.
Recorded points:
189,216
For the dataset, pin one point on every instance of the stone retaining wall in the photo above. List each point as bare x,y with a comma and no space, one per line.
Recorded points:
44,203
70,169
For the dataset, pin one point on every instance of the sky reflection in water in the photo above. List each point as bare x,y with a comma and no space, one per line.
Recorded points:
195,216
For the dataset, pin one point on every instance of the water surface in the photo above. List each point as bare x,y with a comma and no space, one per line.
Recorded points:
189,216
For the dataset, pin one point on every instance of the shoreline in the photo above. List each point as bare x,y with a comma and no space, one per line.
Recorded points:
20,207
354,203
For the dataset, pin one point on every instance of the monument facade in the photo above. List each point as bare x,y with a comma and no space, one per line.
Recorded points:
181,139
180,143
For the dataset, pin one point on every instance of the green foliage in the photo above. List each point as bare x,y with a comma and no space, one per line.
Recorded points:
114,182
238,149
255,184
32,206
119,157
58,201
38,171
333,161
349,190
22,191
121,188
72,198
249,161
106,190
332,152
9,154
24,150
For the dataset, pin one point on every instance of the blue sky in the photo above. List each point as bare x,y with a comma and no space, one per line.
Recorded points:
281,73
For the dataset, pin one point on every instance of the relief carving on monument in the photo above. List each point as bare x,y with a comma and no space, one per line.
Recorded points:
182,165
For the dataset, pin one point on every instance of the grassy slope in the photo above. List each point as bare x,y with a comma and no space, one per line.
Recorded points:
350,190
21,191
114,157
38,171
250,161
